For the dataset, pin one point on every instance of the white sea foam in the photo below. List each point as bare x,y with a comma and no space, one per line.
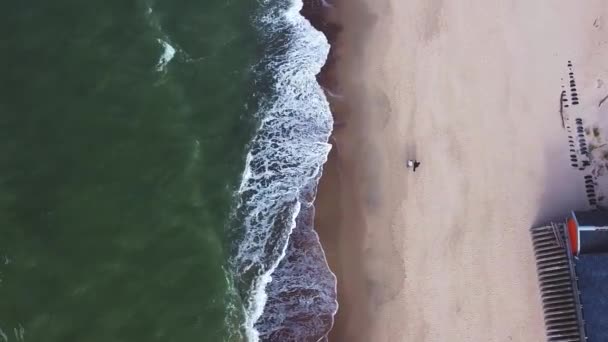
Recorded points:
166,57
302,296
19,333
258,297
284,161
164,40
326,3
332,94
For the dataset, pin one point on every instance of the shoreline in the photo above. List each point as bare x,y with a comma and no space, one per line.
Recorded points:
322,18
290,288
328,202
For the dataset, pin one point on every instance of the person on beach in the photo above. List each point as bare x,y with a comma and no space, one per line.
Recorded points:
413,163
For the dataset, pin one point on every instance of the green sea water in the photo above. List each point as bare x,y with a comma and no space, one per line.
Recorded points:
117,174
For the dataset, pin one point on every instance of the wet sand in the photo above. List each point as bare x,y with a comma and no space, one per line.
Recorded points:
471,89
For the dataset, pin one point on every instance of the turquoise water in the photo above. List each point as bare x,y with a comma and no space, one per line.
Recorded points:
117,174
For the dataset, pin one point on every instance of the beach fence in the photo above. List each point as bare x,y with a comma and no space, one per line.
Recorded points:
571,256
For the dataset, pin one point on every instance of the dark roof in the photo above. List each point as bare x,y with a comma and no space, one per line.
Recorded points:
592,272
593,241
596,218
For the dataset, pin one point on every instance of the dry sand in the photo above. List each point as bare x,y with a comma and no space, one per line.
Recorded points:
471,89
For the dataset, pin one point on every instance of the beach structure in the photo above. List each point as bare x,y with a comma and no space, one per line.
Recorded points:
572,265
588,232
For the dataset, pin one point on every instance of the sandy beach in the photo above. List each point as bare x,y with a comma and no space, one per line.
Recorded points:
472,90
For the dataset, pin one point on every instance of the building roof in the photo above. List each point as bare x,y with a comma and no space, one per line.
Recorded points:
592,242
592,273
595,218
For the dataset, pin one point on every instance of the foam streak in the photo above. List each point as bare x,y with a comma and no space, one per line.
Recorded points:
279,261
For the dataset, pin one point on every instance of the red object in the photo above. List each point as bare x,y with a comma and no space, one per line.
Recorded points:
573,234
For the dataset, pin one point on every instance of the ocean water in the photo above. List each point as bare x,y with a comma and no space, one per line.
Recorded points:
158,163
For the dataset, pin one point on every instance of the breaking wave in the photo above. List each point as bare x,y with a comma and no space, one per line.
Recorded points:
278,263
